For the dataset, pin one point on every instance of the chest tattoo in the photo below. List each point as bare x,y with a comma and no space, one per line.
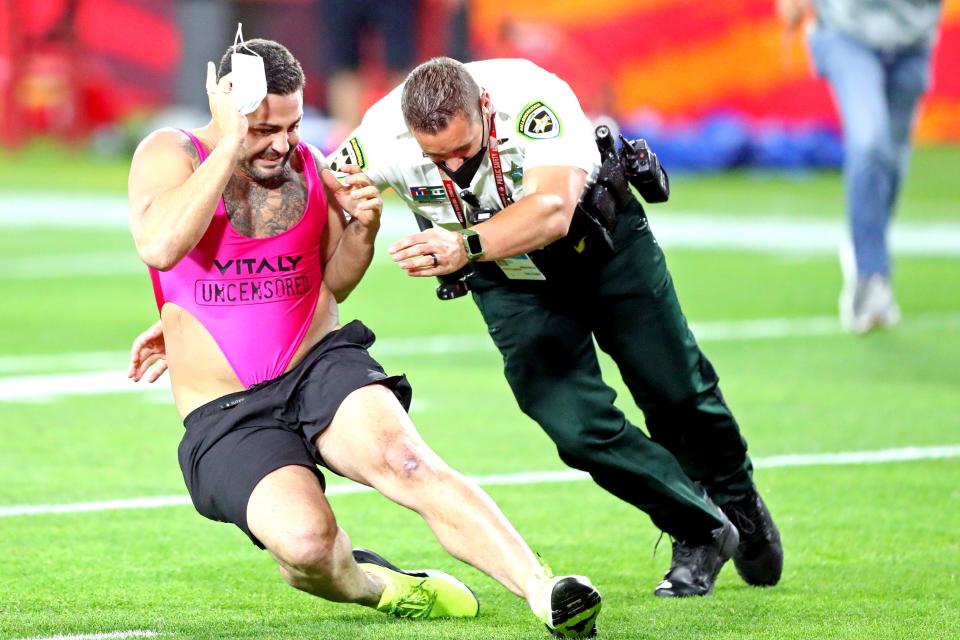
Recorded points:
258,212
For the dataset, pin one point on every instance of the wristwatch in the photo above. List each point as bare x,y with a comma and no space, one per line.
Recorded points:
472,244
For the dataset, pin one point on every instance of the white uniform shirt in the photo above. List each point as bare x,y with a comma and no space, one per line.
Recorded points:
539,122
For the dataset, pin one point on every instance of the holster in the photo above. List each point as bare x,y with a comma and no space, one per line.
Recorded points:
596,214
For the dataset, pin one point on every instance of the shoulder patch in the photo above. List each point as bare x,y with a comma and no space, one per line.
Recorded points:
350,153
538,121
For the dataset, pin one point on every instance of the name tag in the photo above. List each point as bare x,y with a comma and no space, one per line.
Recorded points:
520,268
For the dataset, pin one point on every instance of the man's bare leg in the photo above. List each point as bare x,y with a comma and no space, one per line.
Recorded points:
372,441
290,515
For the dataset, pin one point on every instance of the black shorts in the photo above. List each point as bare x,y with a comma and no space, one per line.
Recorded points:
234,441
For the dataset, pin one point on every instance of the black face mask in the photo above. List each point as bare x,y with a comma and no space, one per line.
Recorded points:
464,175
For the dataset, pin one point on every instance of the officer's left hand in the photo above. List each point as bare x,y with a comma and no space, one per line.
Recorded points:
433,252
357,195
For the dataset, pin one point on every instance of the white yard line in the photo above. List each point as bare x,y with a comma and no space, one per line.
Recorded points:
63,210
104,263
904,454
522,478
777,328
104,636
417,345
789,235
719,330
103,505
113,380
74,361
49,386
675,228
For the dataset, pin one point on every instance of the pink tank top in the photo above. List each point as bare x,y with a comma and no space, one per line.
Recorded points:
256,296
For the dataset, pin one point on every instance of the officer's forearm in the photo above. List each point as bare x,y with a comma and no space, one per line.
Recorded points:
531,223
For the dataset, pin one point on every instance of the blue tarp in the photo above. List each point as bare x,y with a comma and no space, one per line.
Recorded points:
725,141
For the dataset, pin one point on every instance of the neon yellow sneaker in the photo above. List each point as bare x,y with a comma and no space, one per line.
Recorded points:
418,594
567,605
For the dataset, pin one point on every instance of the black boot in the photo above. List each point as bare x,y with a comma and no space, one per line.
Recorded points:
759,558
695,568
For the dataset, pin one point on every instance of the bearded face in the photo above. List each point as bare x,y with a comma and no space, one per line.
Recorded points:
272,137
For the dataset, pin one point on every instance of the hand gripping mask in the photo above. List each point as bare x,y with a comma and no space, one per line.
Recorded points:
249,78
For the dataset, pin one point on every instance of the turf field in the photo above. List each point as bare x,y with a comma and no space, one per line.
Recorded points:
872,547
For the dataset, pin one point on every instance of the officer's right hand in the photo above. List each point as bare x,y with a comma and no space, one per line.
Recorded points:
230,123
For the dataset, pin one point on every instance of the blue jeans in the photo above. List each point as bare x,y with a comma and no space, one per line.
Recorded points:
877,93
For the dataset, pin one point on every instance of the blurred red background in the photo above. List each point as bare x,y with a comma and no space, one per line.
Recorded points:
67,66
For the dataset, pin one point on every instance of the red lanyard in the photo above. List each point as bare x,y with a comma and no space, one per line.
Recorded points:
497,176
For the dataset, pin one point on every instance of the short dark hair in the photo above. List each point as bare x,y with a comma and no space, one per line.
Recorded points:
284,73
436,92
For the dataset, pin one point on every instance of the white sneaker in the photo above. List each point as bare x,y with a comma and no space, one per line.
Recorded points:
848,262
567,605
868,303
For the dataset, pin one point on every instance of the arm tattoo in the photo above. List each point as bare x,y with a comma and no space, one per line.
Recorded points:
191,150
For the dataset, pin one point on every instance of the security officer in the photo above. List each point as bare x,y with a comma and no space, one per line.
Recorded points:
496,154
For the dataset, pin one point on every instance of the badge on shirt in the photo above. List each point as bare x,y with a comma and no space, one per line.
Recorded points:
350,153
428,193
538,121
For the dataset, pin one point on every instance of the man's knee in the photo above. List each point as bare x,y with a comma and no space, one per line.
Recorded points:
574,457
572,424
679,424
307,553
408,463
592,450
872,147
691,382
579,443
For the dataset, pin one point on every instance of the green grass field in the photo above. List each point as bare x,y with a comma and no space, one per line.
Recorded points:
872,550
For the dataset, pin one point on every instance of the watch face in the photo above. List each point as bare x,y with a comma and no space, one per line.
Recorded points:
473,243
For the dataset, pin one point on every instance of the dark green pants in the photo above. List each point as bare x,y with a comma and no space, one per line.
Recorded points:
545,332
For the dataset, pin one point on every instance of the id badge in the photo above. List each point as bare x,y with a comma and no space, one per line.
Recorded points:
520,268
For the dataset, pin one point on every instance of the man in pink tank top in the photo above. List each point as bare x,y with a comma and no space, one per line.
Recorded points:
249,250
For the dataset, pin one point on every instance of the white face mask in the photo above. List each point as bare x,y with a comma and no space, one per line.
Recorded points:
249,78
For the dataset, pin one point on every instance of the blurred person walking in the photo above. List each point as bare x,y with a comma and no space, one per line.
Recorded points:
350,25
243,228
875,54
